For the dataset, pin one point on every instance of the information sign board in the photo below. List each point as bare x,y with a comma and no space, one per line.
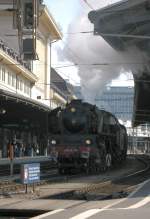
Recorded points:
30,173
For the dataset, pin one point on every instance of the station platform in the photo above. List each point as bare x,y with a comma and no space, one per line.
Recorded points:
46,163
21,160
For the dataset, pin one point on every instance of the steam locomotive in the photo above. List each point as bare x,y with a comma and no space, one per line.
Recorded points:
86,138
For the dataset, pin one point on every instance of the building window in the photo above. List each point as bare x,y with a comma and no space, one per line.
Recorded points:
21,85
9,78
27,88
3,74
0,73
18,84
13,80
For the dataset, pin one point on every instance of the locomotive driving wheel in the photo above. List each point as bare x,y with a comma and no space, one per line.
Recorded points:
106,162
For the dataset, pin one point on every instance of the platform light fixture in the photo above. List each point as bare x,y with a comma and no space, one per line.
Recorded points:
2,111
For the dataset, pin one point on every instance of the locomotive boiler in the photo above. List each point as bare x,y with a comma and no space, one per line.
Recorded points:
86,138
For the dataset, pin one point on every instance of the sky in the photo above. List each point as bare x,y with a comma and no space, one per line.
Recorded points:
64,13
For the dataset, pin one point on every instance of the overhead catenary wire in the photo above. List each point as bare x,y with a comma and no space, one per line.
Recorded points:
108,35
71,51
88,4
105,10
73,54
92,64
105,34
113,35
117,35
82,64
98,64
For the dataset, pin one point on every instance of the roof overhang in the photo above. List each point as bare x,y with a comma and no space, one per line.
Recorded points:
24,100
16,66
22,113
123,25
48,21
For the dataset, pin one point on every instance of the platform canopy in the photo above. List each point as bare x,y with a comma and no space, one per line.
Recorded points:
22,113
123,25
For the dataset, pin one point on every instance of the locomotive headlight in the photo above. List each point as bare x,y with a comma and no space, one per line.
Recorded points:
53,141
88,141
73,109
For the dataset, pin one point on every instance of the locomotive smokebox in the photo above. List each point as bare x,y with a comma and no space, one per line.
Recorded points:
74,118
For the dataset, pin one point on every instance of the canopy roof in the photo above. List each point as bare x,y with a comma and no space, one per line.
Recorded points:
22,113
123,25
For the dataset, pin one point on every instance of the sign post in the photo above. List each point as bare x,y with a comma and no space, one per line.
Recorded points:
11,156
30,174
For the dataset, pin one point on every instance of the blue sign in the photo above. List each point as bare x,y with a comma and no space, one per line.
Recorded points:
30,173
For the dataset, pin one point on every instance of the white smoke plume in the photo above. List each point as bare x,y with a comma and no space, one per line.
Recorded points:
98,63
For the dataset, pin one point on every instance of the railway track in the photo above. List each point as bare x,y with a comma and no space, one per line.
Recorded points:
85,187
119,186
105,186
93,190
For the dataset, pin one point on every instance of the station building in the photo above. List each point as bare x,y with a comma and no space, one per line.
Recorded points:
61,91
25,94
115,99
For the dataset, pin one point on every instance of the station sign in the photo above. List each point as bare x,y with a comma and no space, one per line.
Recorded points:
30,173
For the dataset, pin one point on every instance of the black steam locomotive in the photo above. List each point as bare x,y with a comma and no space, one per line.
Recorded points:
86,138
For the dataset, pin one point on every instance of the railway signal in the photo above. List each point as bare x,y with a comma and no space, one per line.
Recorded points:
25,17
28,15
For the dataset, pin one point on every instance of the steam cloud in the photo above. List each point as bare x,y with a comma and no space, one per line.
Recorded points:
95,50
